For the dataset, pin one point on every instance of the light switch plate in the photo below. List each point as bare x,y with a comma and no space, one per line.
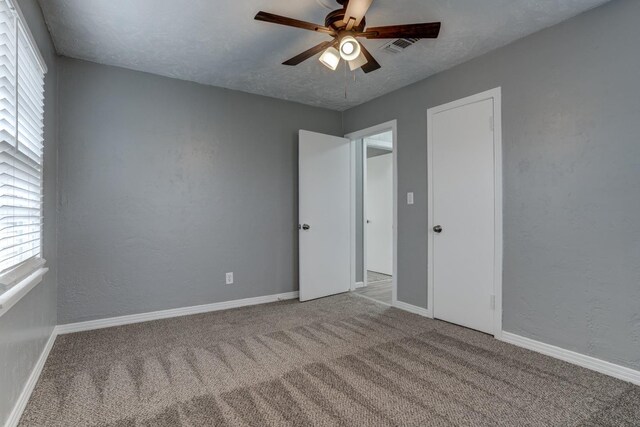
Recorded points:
409,198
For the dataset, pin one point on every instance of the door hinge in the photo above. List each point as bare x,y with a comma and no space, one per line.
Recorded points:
491,123
492,302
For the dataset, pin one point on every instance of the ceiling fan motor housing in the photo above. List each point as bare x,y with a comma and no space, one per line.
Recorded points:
335,21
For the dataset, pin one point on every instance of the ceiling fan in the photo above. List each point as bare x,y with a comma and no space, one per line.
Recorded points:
344,26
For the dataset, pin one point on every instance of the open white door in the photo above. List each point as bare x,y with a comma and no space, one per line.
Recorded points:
324,188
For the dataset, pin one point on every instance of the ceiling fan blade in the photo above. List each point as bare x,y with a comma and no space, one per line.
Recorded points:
356,9
309,53
411,31
290,22
371,64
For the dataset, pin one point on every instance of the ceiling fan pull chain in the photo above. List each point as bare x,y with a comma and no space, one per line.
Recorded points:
346,81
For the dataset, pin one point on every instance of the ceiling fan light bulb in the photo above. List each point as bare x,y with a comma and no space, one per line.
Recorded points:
349,48
330,58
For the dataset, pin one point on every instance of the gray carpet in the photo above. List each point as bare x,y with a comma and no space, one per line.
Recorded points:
339,361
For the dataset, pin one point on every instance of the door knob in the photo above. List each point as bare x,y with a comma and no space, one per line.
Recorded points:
306,227
437,229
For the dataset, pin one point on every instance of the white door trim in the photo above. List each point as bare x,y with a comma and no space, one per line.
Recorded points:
496,95
374,130
365,213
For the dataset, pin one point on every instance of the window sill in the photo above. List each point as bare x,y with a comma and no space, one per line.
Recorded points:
19,290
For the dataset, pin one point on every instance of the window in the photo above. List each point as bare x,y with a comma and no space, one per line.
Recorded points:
21,149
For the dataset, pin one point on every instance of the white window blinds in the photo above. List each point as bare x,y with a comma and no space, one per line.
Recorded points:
21,148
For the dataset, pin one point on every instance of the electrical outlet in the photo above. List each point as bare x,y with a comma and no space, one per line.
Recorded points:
230,278
409,198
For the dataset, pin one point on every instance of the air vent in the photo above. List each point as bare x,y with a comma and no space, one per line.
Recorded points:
398,45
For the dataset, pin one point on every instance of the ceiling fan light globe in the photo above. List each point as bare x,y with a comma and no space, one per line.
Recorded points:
349,48
330,58
358,62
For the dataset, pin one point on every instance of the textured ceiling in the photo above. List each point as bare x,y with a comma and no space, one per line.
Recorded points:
217,42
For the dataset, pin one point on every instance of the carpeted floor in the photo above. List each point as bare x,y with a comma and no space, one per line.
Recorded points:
343,361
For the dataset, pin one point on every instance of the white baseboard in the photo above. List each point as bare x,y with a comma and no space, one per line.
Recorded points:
359,285
18,408
617,371
589,362
165,314
412,309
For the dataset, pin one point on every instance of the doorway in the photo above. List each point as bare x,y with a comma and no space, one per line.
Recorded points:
375,209
465,212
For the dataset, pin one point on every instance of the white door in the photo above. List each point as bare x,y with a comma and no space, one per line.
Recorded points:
463,207
324,188
379,213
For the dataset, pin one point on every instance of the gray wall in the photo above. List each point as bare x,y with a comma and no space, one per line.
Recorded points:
571,108
25,329
167,185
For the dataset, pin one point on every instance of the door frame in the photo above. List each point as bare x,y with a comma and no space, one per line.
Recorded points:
365,171
392,126
496,95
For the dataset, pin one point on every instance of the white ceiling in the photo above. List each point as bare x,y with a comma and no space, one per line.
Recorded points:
217,42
